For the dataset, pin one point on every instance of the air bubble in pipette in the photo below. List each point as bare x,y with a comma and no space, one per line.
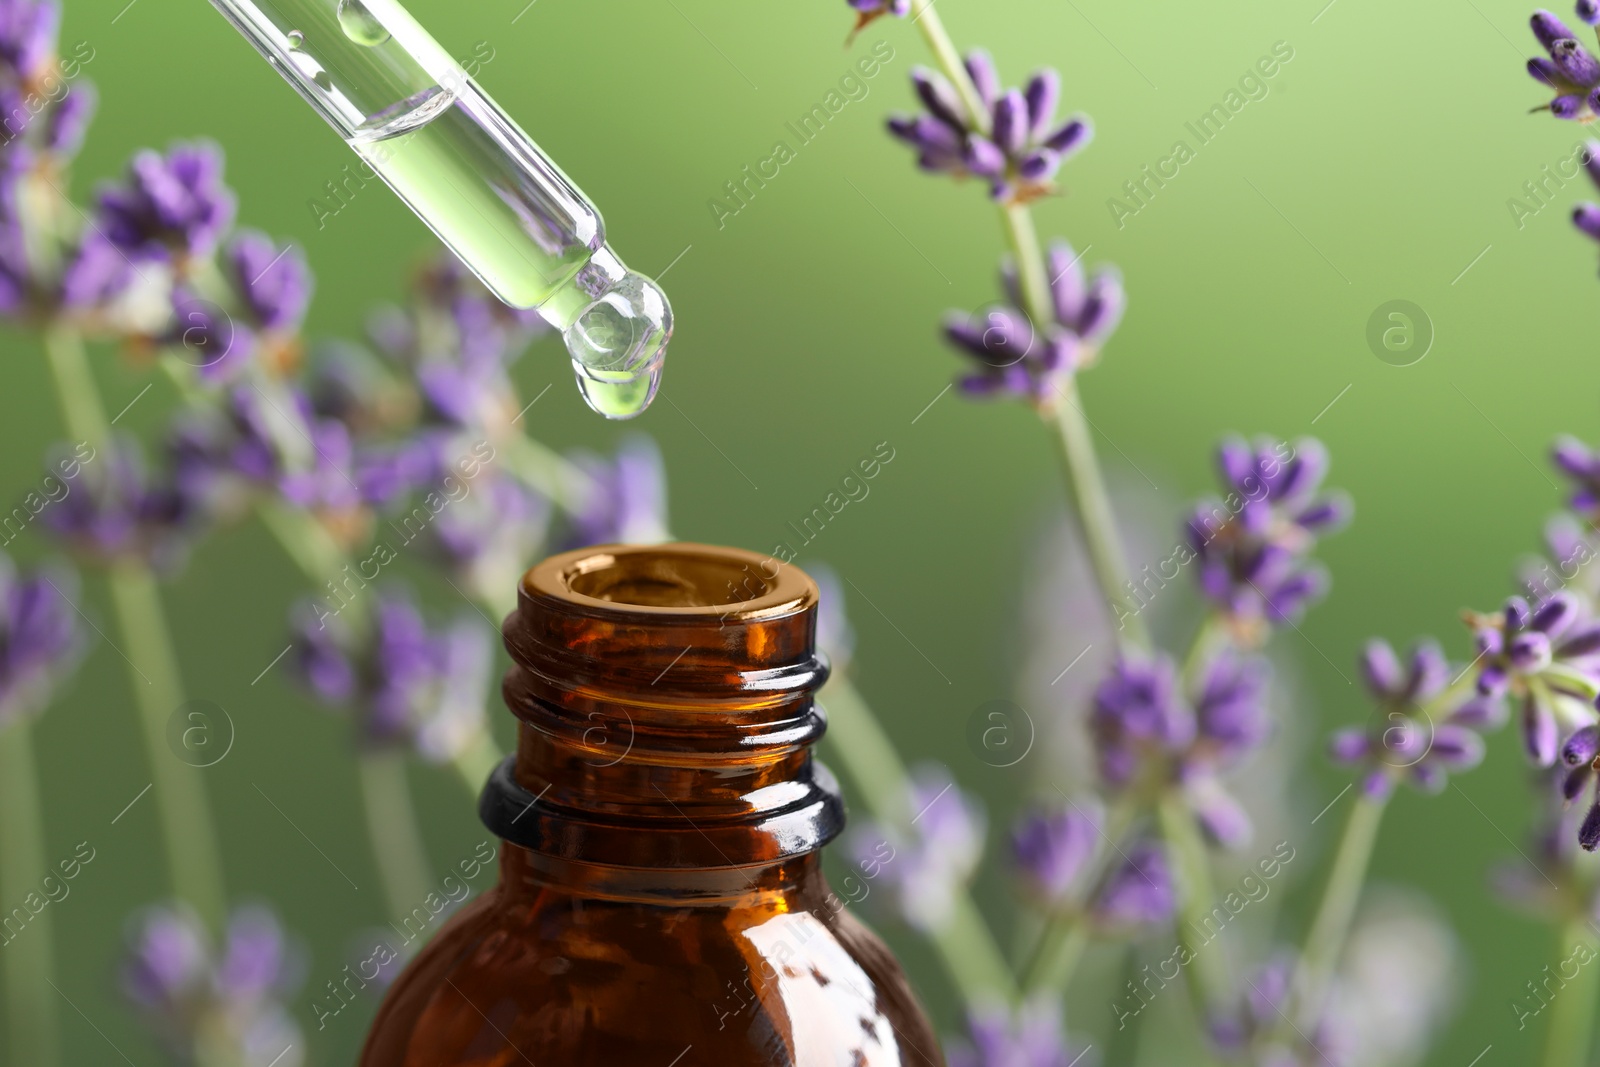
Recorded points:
359,25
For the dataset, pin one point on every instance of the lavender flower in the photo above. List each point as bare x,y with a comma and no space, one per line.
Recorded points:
924,867
835,637
626,502
1409,738
1138,892
210,1007
868,11
120,510
274,284
39,637
1145,730
1547,659
458,340
1581,754
1252,544
1138,717
1577,460
488,537
171,207
1567,67
406,683
268,438
1033,1037
1016,147
1052,848
1018,359
1256,1024
28,31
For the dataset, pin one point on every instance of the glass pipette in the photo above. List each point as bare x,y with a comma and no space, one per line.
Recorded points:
481,184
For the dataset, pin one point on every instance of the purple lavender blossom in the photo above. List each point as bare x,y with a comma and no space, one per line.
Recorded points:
835,636
626,500
1577,460
1567,67
457,340
1018,359
1256,1025
274,284
1053,846
1547,660
28,31
1252,544
1144,728
1408,738
488,537
120,510
267,438
1034,1037
170,207
39,637
1138,892
925,866
213,1007
1138,715
1016,147
406,683
868,11
1581,755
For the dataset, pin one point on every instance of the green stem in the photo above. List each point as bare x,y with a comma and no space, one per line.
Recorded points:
1096,520
189,836
1571,1029
477,761
392,825
1060,947
1334,915
180,793
965,944
27,955
944,51
1208,975
1085,483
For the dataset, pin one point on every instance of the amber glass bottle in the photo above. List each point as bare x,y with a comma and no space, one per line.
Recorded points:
661,900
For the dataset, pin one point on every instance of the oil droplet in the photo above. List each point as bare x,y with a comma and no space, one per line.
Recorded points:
297,40
359,25
619,399
324,82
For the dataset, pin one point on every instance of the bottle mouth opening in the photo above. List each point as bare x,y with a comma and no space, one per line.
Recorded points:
674,579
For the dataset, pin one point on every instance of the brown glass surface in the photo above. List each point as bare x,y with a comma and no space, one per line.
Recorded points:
661,900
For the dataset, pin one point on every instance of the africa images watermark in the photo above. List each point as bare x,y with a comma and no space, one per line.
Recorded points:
1253,85
1541,191
1253,888
1141,590
354,177
853,86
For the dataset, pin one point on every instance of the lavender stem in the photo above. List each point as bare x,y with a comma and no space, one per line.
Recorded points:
392,825
187,829
1571,1027
29,966
965,944
944,51
1066,933
1331,925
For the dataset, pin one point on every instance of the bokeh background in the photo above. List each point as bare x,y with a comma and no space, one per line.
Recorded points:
1379,167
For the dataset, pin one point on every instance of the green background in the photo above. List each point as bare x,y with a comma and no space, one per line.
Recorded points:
1378,168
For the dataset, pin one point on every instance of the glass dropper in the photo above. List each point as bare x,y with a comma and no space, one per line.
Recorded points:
481,184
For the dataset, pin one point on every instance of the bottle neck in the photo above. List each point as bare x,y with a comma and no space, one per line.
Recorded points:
794,884
665,698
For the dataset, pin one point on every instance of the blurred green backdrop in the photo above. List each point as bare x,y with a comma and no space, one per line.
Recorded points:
1378,167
